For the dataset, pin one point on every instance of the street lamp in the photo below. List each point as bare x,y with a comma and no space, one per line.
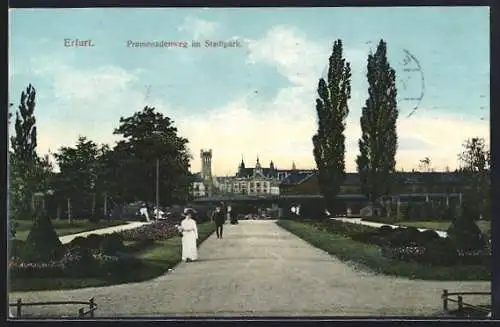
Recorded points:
157,182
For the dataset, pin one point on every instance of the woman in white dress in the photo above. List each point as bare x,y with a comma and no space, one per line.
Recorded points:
189,232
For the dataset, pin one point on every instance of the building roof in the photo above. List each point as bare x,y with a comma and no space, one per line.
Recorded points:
299,177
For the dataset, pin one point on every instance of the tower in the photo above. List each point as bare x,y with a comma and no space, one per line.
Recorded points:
206,169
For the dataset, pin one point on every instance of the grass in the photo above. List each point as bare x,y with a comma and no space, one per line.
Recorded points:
156,259
64,227
368,256
484,225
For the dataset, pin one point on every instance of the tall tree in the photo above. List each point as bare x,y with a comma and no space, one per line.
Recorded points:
23,157
475,160
378,144
150,136
78,166
332,110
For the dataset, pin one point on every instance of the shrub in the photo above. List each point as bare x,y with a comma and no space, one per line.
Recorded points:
78,241
401,237
16,249
42,243
112,244
93,241
465,233
441,252
385,230
79,262
427,236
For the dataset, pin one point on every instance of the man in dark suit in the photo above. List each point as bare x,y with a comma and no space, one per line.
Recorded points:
219,219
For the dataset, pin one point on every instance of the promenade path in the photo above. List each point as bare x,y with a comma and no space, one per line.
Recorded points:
259,269
375,224
108,230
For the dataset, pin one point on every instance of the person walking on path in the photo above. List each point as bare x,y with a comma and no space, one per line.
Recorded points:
219,219
189,232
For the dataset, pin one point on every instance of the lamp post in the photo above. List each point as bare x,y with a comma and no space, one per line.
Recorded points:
157,178
157,188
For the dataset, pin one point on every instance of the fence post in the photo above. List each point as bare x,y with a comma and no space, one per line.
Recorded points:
460,304
92,306
81,312
445,300
19,305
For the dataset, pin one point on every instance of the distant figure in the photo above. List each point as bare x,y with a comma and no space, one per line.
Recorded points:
158,214
144,212
218,218
189,232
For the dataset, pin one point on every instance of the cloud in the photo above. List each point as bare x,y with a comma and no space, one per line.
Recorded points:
279,129
199,28
282,129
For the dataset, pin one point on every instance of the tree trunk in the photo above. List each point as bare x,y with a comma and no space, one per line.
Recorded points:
105,204
93,204
69,210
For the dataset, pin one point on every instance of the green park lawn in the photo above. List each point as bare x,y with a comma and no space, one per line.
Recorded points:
64,227
368,257
484,225
156,259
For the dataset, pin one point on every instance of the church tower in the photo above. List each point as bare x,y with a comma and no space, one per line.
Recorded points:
206,169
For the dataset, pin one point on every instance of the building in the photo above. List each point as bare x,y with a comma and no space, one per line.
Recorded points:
257,180
404,183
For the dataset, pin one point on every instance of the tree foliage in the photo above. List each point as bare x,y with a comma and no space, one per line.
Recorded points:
378,144
149,136
78,174
475,161
332,110
28,172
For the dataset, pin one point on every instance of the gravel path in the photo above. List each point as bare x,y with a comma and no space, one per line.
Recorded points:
259,269
375,224
108,230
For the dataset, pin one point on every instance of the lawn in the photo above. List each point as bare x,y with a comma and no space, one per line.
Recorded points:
156,259
484,225
64,227
368,256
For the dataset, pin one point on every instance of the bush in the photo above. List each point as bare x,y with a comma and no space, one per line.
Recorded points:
93,241
78,241
465,233
42,244
118,267
402,237
112,244
385,230
79,262
441,252
16,249
427,236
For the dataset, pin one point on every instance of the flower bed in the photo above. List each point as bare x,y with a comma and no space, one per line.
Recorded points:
409,244
156,231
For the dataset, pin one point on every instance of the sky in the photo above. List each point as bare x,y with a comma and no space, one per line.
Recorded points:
257,99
